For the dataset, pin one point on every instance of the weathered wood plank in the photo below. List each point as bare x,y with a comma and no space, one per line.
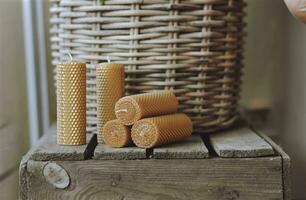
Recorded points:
286,165
47,149
190,148
241,142
105,152
23,177
152,179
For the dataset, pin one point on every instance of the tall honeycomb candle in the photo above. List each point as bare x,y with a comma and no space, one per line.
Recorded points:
133,108
156,131
116,134
110,88
71,103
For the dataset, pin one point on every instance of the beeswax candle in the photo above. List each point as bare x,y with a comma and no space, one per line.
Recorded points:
71,103
116,134
156,131
110,88
132,108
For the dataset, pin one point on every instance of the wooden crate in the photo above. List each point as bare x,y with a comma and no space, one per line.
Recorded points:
237,164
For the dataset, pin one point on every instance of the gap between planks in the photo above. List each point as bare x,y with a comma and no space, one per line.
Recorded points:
47,149
190,148
235,143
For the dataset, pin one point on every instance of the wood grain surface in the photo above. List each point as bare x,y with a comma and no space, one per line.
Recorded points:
214,179
286,165
105,152
48,149
192,147
241,142
172,172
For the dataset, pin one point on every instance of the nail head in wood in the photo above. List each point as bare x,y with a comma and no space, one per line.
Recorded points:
56,175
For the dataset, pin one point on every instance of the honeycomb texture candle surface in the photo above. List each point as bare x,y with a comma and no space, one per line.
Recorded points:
156,131
116,134
71,103
133,108
110,88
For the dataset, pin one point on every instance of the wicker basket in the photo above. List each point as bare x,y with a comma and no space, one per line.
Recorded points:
191,47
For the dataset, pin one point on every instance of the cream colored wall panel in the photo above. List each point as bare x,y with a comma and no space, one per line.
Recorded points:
264,51
9,187
10,148
293,113
13,101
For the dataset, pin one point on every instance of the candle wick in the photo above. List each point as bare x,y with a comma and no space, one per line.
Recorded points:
121,110
70,56
108,59
143,130
142,133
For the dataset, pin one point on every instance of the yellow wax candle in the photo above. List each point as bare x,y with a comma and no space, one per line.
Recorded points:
116,134
71,103
110,88
133,108
156,131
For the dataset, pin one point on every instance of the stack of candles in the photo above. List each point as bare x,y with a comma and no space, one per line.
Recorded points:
148,120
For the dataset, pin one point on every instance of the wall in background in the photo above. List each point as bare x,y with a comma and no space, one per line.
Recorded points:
13,100
275,77
264,51
292,128
266,59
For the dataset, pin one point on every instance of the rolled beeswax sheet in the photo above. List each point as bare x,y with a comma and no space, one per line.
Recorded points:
133,108
156,131
110,88
116,134
71,103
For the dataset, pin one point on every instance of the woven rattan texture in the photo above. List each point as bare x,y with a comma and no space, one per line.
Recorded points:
191,47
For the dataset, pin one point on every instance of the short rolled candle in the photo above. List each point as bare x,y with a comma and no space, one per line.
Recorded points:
133,108
116,134
71,103
110,88
156,131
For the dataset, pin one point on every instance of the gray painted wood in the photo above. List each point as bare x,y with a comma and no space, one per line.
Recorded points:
154,179
241,142
23,175
105,152
47,149
286,165
190,148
